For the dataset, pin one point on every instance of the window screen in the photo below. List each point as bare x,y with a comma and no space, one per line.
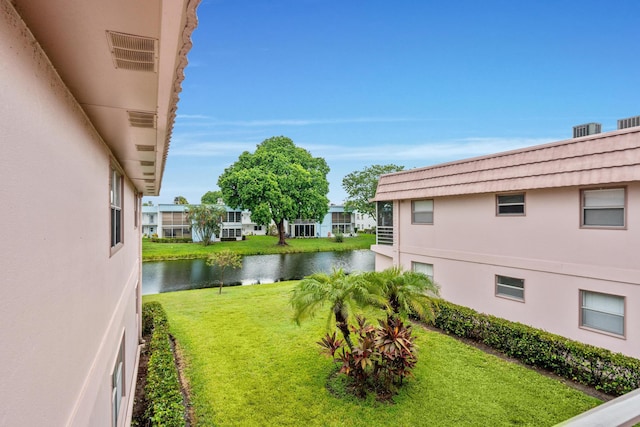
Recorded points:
422,212
602,311
603,208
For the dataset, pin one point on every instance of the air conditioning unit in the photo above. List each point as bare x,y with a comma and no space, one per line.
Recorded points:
629,123
586,129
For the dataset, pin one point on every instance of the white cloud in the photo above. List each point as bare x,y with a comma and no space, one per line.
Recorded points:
293,122
427,152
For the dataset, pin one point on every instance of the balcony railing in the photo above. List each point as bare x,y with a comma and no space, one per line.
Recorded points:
384,235
623,411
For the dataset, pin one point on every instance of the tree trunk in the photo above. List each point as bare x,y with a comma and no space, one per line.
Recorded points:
343,326
281,240
221,281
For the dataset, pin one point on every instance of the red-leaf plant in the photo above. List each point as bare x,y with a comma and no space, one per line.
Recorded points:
380,359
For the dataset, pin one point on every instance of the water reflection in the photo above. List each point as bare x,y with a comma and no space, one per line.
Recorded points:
168,276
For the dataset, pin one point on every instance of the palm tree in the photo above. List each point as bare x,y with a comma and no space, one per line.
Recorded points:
341,291
406,292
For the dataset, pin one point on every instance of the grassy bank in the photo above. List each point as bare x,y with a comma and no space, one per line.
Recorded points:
253,245
249,364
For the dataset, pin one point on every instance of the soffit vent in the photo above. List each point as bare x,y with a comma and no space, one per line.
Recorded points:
142,119
148,173
151,181
145,147
147,163
131,52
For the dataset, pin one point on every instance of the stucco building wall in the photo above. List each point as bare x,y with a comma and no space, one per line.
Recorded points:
468,245
66,300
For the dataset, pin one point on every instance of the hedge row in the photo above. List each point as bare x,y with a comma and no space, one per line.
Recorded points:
612,373
171,239
166,406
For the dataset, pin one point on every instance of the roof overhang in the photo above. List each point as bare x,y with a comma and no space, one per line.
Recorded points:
123,61
600,159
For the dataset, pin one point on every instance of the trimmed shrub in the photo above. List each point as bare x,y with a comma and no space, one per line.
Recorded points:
166,406
171,239
338,238
611,373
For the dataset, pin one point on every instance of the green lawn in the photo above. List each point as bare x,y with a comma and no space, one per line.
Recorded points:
250,365
253,245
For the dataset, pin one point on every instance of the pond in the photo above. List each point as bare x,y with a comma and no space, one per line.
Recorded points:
178,275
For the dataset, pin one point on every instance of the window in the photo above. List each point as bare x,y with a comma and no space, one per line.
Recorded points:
384,231
231,232
603,208
510,204
510,287
117,385
426,269
116,208
234,216
422,212
341,217
604,312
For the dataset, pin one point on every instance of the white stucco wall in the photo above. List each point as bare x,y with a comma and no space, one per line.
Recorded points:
468,245
65,301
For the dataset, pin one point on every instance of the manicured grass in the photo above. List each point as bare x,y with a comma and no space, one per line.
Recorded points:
253,245
250,365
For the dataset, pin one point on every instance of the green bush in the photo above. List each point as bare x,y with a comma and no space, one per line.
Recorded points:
338,238
172,239
612,373
166,406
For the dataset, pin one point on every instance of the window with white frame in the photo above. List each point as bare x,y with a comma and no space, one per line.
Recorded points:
117,385
116,207
510,287
422,212
510,204
604,312
603,207
421,267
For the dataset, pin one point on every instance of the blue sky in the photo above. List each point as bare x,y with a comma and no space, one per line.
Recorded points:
412,82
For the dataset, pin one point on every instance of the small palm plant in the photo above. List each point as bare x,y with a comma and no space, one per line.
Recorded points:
223,260
340,291
406,292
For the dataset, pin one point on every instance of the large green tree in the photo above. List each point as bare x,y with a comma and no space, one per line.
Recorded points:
211,197
277,182
361,187
206,221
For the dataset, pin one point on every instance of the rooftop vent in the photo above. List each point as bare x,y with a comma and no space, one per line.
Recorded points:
142,119
131,52
586,129
629,123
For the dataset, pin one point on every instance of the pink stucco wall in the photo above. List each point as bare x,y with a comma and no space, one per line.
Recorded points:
65,300
468,245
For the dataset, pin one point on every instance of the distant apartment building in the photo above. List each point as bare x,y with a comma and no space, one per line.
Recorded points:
548,236
337,221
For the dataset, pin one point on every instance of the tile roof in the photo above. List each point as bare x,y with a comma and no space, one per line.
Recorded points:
604,158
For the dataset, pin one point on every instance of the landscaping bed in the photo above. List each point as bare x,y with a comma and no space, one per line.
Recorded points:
249,364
